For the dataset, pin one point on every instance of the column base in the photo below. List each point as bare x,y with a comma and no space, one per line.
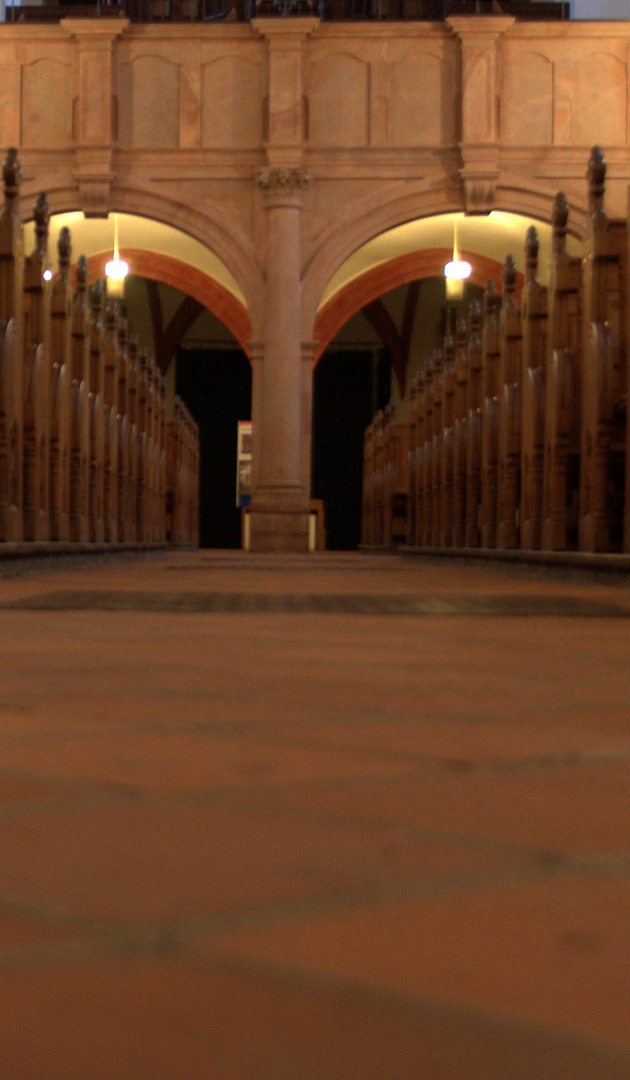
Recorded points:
277,529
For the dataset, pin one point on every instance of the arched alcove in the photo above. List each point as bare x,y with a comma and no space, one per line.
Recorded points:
386,303
189,312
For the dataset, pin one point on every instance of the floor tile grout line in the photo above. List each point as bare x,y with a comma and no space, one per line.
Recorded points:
110,936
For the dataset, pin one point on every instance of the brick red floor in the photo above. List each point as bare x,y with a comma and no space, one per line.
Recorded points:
281,843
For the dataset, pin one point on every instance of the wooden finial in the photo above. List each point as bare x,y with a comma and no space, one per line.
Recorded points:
64,253
491,300
111,315
559,219
42,218
123,331
82,274
449,350
531,253
11,174
474,318
509,276
97,291
596,177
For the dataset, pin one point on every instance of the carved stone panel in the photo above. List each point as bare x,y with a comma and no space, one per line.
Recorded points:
338,101
149,102
231,103
600,101
526,102
416,106
46,104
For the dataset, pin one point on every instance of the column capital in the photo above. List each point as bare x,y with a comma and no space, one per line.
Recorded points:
282,186
479,31
285,33
95,33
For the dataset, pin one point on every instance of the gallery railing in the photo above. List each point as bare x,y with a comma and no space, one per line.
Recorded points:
243,10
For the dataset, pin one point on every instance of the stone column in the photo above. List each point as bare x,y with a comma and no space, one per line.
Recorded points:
279,508
309,349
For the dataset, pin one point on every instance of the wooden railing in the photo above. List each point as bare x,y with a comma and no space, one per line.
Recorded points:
244,10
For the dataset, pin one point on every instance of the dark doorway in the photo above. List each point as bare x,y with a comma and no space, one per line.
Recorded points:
348,386
216,385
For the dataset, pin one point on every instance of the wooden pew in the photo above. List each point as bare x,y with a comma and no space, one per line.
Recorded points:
490,344
11,353
474,356
604,371
60,392
36,369
436,446
509,402
133,350
460,424
79,494
142,448
123,504
96,468
110,367
534,321
562,390
447,443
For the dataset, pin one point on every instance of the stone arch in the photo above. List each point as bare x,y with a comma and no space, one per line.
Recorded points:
389,275
347,236
221,234
208,292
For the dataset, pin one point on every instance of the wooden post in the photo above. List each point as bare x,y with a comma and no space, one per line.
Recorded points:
602,450
427,457
490,416
80,409
563,389
534,319
122,417
509,457
97,417
36,475
474,427
111,364
458,536
11,353
61,392
447,447
436,447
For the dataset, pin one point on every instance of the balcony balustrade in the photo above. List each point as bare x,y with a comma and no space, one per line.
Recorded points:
145,11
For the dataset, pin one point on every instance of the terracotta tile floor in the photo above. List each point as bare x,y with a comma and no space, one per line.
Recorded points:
251,835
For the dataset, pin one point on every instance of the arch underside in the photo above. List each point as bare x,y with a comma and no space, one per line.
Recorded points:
389,275
179,275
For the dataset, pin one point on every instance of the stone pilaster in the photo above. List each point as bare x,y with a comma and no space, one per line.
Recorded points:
94,132
480,135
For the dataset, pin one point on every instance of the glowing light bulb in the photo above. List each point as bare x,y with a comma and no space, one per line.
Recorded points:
116,269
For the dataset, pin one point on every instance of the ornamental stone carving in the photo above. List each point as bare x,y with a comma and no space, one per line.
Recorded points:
282,185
